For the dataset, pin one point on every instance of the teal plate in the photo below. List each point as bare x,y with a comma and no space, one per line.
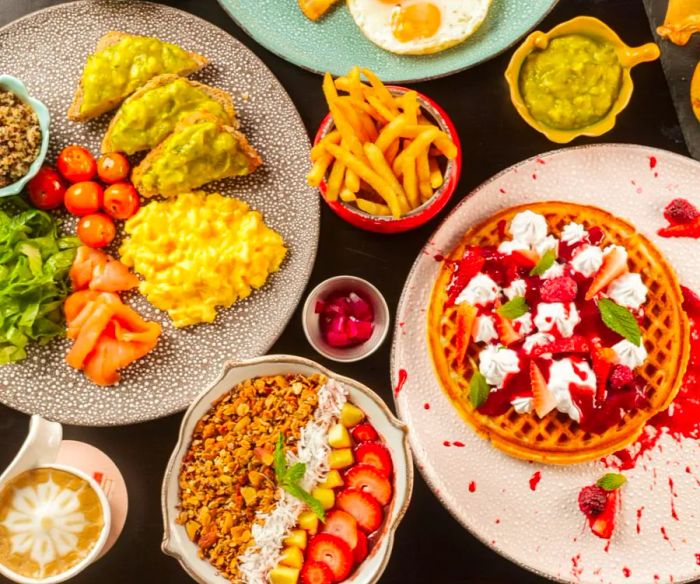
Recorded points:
336,44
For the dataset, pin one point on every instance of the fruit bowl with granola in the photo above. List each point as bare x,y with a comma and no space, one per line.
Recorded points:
286,473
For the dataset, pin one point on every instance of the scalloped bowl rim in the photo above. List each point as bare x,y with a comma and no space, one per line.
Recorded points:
175,541
16,86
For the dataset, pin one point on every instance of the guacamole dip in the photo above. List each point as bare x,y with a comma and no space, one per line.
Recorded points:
572,83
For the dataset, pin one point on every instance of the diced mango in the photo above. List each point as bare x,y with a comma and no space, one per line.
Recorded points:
325,496
296,538
249,495
341,458
339,437
351,415
333,480
292,557
284,575
308,521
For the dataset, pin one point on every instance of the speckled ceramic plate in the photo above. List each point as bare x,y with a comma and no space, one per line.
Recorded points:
529,512
47,51
336,44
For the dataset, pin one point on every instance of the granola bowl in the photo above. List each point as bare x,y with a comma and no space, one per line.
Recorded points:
180,534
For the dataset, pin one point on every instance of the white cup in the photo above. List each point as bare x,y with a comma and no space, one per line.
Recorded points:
40,450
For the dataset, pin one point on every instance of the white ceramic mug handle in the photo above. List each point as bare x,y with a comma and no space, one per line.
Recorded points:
39,448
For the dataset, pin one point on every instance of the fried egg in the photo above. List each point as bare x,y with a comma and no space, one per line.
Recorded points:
418,27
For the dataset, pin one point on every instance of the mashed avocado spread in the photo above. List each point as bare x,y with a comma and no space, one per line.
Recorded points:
571,84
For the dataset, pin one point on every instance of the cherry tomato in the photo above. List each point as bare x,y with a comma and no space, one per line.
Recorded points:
46,189
83,198
113,168
76,164
96,230
121,200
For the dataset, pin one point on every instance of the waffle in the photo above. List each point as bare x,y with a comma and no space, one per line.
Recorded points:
556,438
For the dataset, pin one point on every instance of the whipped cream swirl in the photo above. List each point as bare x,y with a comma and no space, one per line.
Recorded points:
495,363
628,290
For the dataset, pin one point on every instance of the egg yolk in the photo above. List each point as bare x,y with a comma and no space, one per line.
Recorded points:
416,21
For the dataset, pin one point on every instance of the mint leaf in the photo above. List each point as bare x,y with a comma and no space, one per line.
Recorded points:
280,460
478,389
295,473
313,503
611,481
546,261
514,308
617,318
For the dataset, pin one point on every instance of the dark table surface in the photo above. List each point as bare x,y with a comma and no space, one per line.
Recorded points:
430,545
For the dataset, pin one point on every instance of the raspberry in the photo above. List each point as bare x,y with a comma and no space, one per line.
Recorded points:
621,376
592,500
680,211
595,235
562,289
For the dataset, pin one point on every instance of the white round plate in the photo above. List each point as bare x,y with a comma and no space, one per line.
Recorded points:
47,50
529,512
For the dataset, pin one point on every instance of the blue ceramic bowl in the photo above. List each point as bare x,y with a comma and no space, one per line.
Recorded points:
14,85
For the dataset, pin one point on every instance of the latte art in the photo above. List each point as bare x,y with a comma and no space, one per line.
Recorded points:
50,520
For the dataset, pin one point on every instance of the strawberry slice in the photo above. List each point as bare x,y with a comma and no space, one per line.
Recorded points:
342,525
691,229
604,524
466,316
505,329
364,433
361,549
526,258
573,344
375,454
464,270
316,573
603,361
363,507
614,265
333,552
543,399
368,479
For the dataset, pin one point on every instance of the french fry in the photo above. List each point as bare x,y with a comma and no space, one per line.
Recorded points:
335,180
373,208
329,90
353,118
381,91
410,105
410,184
332,137
436,179
352,182
421,142
382,168
392,151
380,108
443,142
423,170
368,109
390,132
364,172
347,196
355,89
346,130
343,84
318,171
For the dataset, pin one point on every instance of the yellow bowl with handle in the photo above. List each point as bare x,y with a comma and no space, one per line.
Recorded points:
579,28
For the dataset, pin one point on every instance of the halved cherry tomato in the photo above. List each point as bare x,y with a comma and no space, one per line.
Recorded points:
76,164
96,230
113,167
84,198
46,189
121,200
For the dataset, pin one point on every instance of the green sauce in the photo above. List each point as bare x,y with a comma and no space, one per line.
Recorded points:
195,155
571,84
143,123
117,71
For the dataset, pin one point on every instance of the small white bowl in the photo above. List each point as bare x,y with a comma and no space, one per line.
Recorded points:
395,435
311,321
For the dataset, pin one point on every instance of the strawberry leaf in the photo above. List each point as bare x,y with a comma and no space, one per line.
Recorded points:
611,481
617,318
478,389
546,261
514,308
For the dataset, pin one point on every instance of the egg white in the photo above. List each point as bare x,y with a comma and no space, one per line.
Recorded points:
460,19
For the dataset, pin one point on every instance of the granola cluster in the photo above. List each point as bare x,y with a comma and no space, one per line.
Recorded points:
227,476
20,138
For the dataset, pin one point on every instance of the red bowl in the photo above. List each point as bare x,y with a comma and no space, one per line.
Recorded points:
419,215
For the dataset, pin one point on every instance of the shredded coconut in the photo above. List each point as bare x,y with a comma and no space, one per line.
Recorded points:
270,529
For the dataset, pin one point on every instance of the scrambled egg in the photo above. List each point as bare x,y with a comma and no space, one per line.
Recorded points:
197,252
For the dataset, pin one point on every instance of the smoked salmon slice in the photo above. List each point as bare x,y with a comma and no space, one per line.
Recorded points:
87,261
96,270
94,325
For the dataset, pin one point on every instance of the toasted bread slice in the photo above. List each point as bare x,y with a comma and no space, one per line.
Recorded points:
315,9
165,126
78,112
194,142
